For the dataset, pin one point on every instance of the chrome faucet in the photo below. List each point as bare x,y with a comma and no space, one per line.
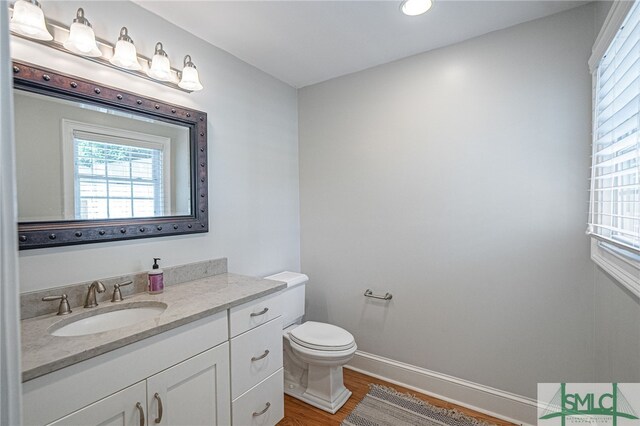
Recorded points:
90,301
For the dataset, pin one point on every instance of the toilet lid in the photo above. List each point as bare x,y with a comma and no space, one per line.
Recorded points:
321,336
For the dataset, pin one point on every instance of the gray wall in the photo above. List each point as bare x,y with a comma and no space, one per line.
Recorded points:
617,332
253,155
458,180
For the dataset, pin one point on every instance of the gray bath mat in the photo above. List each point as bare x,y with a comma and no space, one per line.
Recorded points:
384,406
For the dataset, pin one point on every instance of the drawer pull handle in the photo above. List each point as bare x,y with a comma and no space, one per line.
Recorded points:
258,358
159,418
263,411
141,411
257,314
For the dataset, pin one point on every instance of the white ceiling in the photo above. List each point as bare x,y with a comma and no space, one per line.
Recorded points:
306,42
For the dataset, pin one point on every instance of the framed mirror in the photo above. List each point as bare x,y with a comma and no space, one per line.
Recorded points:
95,163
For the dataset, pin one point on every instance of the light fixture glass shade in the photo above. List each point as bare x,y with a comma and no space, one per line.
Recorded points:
125,55
28,20
415,7
160,68
82,39
190,79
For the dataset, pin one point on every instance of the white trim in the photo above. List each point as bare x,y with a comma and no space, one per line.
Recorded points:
477,397
625,271
612,24
129,137
10,376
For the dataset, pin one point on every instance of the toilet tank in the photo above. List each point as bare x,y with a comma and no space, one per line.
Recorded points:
292,296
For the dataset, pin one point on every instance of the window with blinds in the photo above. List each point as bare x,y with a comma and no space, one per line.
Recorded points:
614,214
116,177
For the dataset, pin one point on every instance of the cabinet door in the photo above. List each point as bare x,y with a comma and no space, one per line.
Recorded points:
118,409
192,393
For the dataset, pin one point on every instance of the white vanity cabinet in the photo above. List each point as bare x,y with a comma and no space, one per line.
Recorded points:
257,382
188,367
223,369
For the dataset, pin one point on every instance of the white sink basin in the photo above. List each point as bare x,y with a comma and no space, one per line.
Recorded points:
108,319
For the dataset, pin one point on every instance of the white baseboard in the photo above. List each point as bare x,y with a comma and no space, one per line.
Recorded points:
485,399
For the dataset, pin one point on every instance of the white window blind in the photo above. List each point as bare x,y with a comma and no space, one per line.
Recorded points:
614,214
116,177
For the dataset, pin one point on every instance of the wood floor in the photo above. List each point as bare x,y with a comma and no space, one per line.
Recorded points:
296,413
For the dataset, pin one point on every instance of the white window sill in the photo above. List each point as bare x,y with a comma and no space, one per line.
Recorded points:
626,271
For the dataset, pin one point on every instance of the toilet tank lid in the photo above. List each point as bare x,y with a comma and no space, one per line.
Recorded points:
291,278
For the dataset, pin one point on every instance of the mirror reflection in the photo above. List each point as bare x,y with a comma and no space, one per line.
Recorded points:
80,161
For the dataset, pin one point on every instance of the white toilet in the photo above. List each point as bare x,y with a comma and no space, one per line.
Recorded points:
314,352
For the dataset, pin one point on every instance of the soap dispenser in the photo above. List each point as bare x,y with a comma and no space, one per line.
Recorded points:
156,278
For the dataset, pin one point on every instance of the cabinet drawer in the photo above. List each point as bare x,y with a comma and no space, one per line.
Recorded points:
255,355
250,315
251,408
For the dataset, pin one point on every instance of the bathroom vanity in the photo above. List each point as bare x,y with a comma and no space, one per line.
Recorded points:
212,356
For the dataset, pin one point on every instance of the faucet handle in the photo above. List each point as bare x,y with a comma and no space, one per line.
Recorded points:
64,307
117,295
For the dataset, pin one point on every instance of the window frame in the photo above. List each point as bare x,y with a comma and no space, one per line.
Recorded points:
109,135
621,263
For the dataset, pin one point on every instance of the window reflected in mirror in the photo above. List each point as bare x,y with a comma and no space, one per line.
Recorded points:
79,161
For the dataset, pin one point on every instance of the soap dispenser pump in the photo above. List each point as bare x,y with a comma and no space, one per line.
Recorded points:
156,278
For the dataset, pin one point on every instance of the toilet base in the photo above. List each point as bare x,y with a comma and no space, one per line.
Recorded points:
315,377
300,393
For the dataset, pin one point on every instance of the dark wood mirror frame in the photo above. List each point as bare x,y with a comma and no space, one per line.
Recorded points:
33,235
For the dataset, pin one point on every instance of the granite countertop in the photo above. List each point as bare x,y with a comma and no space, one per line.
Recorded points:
43,353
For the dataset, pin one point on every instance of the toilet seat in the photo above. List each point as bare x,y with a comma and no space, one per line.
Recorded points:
322,337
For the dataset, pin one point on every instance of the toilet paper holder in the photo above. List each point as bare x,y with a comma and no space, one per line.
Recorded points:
369,293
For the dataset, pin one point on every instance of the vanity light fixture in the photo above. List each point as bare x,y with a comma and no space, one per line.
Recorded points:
82,39
415,7
160,68
125,55
28,20
190,79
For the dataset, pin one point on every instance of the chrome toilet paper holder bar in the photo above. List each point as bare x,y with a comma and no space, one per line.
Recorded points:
369,293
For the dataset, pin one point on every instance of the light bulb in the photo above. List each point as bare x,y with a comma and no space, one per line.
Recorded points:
125,55
190,79
82,39
160,68
28,20
415,7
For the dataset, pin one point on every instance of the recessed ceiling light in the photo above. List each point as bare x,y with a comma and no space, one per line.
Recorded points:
415,7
